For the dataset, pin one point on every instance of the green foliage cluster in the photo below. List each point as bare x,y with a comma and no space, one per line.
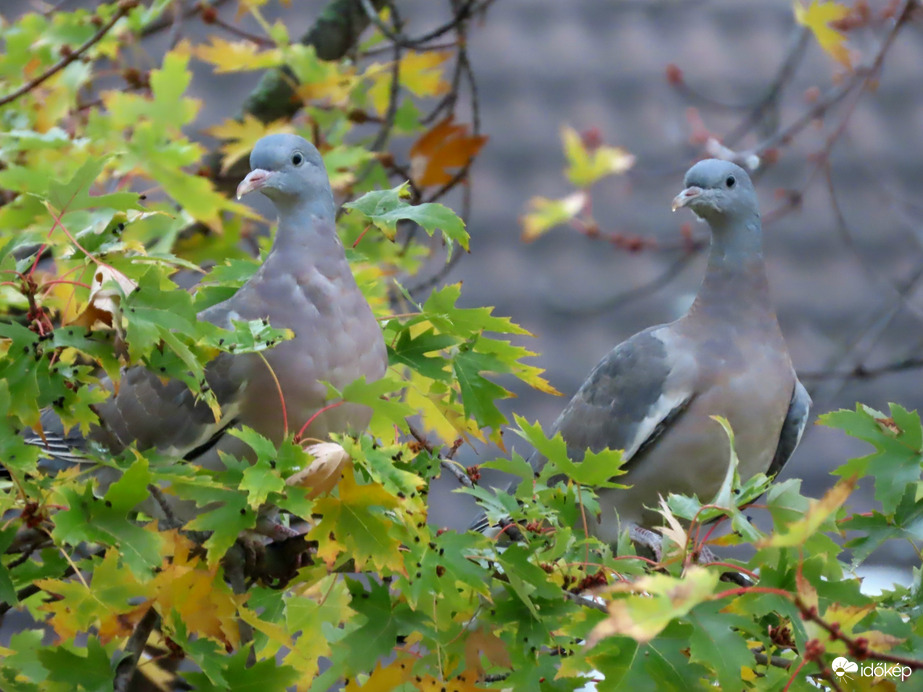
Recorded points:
104,207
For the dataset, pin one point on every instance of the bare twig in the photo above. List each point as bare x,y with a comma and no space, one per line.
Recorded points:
126,668
452,467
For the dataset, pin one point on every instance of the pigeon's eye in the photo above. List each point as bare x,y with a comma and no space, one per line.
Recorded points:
297,158
730,181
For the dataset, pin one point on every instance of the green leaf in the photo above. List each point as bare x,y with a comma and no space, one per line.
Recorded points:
385,208
411,351
595,470
717,641
75,193
92,672
898,441
242,676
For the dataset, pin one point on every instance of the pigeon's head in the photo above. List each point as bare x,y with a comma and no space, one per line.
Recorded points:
288,169
717,190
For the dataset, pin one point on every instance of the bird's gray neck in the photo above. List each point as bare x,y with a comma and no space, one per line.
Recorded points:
307,228
736,274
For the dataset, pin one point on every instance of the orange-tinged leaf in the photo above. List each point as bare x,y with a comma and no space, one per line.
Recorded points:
446,145
544,214
241,136
236,56
194,594
817,16
482,642
385,677
104,302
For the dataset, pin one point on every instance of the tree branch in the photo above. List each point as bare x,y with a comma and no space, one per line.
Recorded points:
124,8
125,670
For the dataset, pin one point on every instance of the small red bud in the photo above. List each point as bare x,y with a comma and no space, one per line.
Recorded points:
209,14
674,74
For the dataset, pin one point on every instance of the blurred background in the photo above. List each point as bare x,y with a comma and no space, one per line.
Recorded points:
842,196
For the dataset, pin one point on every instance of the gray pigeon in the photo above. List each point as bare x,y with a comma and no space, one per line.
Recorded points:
653,395
305,285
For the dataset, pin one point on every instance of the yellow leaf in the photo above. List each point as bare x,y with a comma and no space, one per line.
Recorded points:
545,214
437,413
818,16
799,531
321,80
241,136
197,596
652,602
586,165
236,56
419,72
384,678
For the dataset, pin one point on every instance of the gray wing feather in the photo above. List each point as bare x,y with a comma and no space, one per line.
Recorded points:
166,416
792,428
625,404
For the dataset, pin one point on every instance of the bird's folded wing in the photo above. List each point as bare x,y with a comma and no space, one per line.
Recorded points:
151,413
630,398
792,428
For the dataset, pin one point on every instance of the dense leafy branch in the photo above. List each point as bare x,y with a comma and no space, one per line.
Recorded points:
91,284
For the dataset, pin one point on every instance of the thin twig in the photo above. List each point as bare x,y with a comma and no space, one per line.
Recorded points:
863,372
452,467
126,668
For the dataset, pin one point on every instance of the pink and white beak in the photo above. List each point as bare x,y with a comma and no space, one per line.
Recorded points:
255,180
682,199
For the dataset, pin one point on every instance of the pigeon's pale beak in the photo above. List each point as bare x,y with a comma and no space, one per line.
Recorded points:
681,200
254,181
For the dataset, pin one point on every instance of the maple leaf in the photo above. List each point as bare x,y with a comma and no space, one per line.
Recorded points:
384,678
235,56
419,73
241,136
446,145
586,164
198,597
817,17
356,522
545,214
319,79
